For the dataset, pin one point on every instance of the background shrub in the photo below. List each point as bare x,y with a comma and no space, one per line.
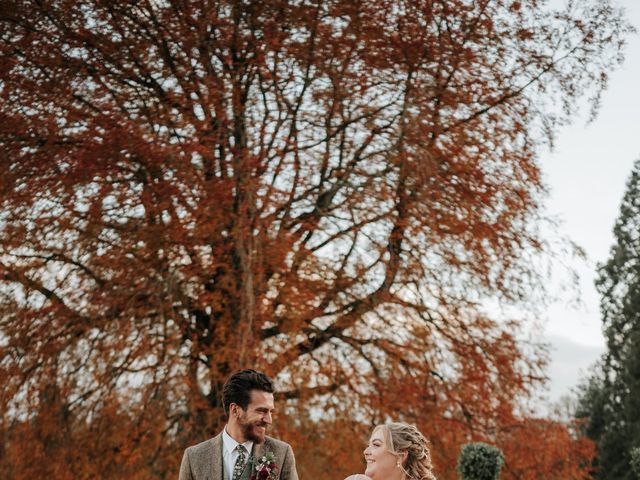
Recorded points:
480,461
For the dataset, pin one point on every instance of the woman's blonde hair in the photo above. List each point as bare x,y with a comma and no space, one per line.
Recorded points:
400,438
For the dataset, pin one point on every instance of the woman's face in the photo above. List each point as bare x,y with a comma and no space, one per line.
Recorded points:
381,464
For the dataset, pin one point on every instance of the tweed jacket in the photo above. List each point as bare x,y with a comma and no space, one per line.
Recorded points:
204,461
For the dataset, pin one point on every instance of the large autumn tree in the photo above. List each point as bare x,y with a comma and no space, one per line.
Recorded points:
323,189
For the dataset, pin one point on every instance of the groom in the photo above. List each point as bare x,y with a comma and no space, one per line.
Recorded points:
243,445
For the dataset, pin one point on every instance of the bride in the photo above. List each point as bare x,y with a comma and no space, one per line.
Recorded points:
397,451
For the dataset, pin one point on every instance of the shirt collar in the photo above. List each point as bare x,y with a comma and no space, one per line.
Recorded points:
229,443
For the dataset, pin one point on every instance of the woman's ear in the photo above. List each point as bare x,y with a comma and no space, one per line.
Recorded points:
403,456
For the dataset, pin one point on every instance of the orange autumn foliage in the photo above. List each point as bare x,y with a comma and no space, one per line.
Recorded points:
327,191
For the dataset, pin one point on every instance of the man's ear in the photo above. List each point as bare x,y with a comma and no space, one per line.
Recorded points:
234,410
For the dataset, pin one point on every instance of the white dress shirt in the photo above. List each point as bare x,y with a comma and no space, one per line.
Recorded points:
229,452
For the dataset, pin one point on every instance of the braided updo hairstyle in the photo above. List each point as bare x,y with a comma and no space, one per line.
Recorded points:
400,438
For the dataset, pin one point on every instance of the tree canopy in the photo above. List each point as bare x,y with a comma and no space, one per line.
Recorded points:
322,190
610,399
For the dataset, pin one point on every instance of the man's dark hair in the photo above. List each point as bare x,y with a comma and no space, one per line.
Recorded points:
237,388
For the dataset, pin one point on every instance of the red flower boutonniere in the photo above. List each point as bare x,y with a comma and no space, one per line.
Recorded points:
266,468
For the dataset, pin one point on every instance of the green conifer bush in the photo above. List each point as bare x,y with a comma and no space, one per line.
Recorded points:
480,461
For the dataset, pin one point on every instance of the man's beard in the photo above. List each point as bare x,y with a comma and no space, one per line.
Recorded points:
248,431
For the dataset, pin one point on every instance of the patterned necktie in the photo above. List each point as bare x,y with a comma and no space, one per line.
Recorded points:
239,466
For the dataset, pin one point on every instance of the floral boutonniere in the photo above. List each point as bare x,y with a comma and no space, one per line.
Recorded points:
266,468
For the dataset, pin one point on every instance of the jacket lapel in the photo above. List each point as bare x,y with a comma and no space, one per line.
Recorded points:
259,449
214,458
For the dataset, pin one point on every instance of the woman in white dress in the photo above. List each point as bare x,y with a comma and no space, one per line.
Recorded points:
397,451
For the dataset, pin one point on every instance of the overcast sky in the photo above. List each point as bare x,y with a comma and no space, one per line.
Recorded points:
586,173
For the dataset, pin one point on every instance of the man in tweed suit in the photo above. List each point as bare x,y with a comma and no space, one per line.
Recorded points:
233,454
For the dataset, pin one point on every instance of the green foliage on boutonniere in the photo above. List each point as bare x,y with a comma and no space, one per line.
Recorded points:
265,468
